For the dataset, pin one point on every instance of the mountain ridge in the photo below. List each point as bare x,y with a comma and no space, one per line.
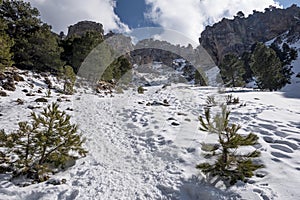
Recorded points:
239,34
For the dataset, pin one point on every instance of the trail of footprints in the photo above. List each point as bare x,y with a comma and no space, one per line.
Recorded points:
282,139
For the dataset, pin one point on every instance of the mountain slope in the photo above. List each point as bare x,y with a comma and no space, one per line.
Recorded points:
238,35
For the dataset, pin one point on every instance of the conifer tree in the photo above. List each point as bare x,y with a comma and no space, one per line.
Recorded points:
69,77
35,46
77,48
117,69
270,73
5,46
228,165
232,70
43,145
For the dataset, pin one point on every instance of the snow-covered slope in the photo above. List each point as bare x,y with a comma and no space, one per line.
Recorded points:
146,146
293,90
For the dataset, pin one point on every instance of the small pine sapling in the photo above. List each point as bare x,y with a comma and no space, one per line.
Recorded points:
211,101
69,78
48,93
230,100
43,145
229,165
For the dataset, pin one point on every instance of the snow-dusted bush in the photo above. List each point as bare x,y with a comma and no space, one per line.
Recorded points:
42,146
231,100
227,163
140,90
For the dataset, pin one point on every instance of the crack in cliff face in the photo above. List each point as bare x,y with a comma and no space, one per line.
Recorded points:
238,35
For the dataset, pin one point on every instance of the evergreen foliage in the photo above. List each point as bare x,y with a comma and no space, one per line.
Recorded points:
69,78
200,77
240,14
286,55
269,71
231,100
117,69
5,45
140,90
41,146
35,47
77,48
211,101
232,71
229,165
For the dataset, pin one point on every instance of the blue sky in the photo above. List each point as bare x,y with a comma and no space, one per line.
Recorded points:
287,3
188,17
133,15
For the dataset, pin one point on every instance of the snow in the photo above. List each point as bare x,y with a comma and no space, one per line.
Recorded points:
292,90
142,151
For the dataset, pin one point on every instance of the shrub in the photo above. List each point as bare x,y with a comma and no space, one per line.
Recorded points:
69,77
41,146
140,90
230,166
231,100
210,101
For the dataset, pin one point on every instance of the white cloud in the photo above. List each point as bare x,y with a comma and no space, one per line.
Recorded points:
63,13
191,16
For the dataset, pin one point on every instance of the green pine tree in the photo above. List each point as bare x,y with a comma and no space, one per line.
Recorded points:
69,78
117,69
77,48
5,46
270,73
229,165
43,145
232,71
35,46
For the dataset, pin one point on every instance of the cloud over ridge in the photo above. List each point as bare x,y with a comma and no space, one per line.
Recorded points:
62,13
191,16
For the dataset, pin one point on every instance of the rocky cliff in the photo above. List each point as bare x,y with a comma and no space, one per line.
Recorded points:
238,35
82,27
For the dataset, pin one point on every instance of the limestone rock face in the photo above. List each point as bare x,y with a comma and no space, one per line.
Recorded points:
149,50
82,27
238,35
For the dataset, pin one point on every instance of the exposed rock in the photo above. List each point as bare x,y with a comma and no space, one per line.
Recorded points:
41,100
81,28
2,93
156,103
9,84
2,77
171,118
175,124
54,182
31,107
20,101
17,77
70,109
238,35
105,87
30,94
148,51
298,75
49,83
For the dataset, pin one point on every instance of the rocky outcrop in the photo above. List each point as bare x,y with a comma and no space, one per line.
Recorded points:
149,50
238,35
82,27
185,60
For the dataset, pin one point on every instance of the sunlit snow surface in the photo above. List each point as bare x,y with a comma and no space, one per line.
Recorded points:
150,152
